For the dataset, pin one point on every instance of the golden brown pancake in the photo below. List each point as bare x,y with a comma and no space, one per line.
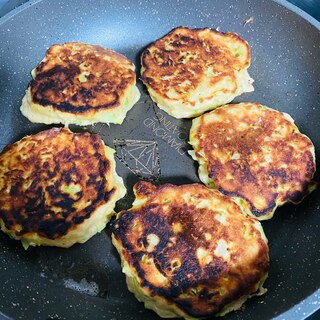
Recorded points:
189,251
256,153
190,71
57,187
81,83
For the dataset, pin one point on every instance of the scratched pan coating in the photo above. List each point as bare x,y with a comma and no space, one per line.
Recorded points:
85,281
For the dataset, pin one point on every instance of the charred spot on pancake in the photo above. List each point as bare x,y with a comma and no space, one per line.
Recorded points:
53,181
78,78
144,189
190,245
255,153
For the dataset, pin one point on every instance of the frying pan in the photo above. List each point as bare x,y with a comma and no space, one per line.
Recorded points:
85,281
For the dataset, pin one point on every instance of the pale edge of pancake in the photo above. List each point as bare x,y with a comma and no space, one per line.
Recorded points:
47,114
89,227
180,110
204,174
159,304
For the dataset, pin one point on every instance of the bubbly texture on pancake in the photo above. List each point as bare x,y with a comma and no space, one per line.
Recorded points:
189,251
190,71
57,188
82,84
254,153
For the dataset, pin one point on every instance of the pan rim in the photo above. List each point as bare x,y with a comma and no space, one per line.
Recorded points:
299,311
299,12
310,304
284,3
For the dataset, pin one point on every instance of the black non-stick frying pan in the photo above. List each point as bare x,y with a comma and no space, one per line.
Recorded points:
85,281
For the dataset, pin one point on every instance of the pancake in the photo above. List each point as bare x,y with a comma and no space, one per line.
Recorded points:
81,84
188,251
190,71
57,188
254,153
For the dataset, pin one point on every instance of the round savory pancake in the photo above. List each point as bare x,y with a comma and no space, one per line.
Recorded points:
190,71
188,251
81,84
253,153
57,188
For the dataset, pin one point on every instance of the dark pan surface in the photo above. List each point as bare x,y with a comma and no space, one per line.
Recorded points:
85,281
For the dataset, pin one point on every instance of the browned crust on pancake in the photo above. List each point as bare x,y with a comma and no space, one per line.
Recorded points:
36,170
192,287
56,82
292,160
209,51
